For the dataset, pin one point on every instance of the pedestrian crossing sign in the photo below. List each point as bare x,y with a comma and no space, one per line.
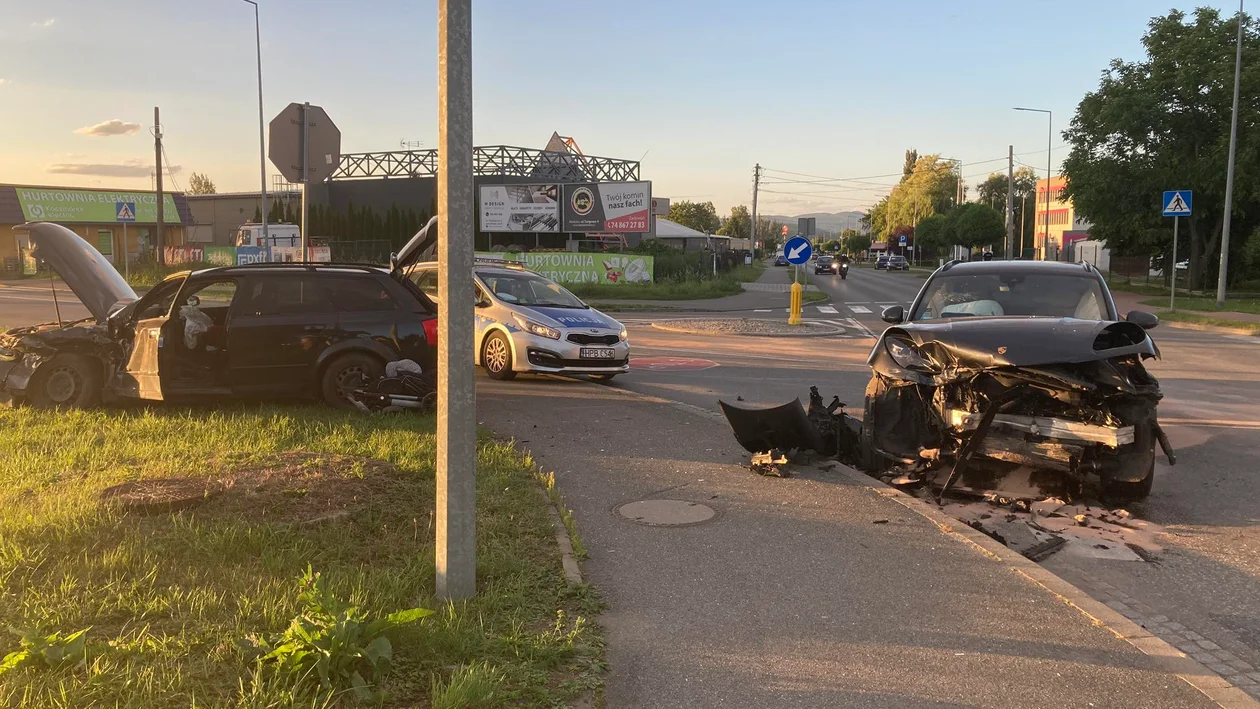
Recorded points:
1177,203
124,211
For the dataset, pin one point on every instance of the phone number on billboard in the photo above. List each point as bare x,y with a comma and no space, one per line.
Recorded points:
627,225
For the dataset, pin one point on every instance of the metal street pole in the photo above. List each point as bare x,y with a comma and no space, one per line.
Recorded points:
456,555
159,254
1049,176
1172,298
1010,201
262,145
306,179
1229,171
756,184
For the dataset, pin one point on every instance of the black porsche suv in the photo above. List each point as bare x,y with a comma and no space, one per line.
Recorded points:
268,330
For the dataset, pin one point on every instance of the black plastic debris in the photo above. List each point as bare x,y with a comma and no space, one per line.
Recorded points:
405,387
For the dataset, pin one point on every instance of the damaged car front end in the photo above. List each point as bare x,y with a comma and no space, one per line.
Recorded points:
965,403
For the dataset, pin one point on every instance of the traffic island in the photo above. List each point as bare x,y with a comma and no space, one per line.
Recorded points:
748,327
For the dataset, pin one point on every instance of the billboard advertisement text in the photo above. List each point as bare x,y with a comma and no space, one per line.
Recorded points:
519,208
618,207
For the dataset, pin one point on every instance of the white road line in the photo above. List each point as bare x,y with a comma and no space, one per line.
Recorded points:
827,309
767,310
860,309
860,326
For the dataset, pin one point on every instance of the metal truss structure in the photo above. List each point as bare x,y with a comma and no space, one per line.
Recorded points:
493,160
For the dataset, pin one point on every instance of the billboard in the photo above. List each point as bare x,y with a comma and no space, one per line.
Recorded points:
520,208
607,206
86,206
568,268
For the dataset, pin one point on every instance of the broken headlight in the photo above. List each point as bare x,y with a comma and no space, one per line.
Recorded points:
906,355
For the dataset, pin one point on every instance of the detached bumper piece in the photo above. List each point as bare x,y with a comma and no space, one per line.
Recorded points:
771,434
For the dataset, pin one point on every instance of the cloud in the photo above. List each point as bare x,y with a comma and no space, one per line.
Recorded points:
127,168
45,24
108,128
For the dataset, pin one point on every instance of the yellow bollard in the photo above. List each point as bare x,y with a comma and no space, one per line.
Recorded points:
794,318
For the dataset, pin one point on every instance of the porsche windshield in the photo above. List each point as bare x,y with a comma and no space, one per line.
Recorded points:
1023,294
524,288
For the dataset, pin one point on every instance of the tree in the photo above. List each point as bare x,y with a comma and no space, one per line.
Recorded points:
933,232
1163,123
855,241
912,159
931,188
701,216
975,224
738,225
993,192
258,214
199,183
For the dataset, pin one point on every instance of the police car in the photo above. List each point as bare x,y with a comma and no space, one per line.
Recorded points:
529,323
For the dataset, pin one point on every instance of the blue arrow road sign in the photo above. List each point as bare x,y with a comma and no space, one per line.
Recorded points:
125,211
797,250
1177,203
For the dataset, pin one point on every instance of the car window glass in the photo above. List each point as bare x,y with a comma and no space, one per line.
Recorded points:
158,302
358,295
286,295
1036,295
427,281
211,294
525,288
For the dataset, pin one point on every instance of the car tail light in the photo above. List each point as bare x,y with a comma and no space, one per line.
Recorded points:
430,331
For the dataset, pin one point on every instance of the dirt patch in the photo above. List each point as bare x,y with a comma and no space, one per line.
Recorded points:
296,487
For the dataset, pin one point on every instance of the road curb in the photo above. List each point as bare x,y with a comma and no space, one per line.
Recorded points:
826,331
1166,657
1201,327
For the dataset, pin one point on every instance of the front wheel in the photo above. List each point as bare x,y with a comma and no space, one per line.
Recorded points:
67,380
347,373
603,377
496,357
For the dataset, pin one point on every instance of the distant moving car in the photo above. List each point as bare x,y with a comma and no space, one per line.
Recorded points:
781,260
528,323
268,329
897,263
881,261
1006,366
826,264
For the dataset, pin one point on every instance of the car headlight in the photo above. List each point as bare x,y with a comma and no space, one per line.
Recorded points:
537,329
623,334
906,355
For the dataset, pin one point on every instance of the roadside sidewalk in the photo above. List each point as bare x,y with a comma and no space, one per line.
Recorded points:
770,291
811,591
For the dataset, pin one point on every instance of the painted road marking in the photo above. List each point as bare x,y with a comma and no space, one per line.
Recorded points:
672,364
827,309
859,326
860,309
767,310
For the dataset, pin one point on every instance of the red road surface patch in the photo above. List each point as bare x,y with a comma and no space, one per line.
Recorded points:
671,364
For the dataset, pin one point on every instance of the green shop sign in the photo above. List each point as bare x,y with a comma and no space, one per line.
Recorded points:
91,207
566,267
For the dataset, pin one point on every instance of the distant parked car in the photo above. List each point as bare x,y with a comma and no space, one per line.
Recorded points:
781,260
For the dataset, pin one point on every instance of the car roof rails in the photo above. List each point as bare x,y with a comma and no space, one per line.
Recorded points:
505,263
1088,266
296,266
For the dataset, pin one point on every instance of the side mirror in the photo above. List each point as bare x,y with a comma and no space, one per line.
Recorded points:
482,303
393,262
1143,319
894,315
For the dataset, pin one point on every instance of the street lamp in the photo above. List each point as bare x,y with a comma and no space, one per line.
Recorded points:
262,146
1049,143
1229,173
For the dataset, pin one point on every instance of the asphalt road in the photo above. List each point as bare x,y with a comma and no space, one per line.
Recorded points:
1206,579
31,302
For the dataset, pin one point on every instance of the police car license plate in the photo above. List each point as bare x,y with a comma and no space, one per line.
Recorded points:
595,353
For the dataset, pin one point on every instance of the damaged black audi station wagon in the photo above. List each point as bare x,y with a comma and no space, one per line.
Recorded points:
273,330
1016,365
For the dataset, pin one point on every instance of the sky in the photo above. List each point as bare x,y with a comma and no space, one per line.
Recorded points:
700,90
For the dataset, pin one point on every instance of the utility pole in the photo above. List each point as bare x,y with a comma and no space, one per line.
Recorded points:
158,241
262,145
1229,172
1010,201
961,194
456,534
756,184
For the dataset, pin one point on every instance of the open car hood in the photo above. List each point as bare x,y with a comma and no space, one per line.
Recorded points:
977,343
88,273
419,248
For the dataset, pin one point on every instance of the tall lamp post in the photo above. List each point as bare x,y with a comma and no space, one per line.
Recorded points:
1049,145
1229,172
262,146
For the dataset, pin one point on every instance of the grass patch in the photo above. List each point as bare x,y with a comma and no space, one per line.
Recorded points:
181,604
1250,327
1242,305
674,289
812,296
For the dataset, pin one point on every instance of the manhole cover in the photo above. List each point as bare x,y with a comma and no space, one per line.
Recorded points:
666,513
